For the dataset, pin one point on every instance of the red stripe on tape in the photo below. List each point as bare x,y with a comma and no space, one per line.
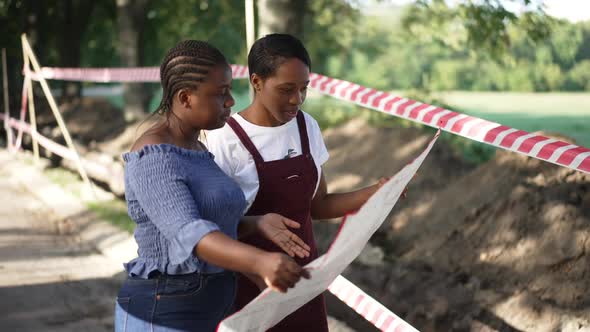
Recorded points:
530,143
366,310
335,86
428,116
357,301
402,108
414,113
366,97
313,80
389,104
325,83
378,100
388,321
492,134
568,156
585,165
512,137
348,88
446,118
356,92
548,149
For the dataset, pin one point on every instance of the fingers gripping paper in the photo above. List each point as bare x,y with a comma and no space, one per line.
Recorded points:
271,307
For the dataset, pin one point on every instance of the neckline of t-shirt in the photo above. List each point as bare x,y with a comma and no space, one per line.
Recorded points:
251,126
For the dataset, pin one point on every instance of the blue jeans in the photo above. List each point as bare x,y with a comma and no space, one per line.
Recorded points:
166,303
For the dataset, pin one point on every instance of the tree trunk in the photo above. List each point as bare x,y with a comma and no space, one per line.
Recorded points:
130,21
281,16
76,15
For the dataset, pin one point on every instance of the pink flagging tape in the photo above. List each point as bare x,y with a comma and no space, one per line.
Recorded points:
62,150
532,145
368,307
108,75
23,113
50,145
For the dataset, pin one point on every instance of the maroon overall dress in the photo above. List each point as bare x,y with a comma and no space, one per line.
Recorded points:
286,187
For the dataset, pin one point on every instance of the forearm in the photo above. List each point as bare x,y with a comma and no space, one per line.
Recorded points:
221,250
338,204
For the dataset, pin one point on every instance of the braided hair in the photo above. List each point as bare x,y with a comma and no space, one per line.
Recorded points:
185,66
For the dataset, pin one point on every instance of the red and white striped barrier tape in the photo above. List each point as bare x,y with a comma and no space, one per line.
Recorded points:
533,145
23,112
504,137
63,151
107,75
368,307
50,145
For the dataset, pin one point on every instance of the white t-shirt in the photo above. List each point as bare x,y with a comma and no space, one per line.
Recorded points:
273,143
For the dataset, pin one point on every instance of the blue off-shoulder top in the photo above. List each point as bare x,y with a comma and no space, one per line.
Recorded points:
177,196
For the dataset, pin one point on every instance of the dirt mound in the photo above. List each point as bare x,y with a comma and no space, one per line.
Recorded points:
501,247
89,120
102,128
360,154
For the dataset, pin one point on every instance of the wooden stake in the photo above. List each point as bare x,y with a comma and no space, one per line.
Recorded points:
250,36
32,117
55,110
6,103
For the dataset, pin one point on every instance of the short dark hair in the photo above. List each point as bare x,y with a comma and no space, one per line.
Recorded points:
186,65
270,51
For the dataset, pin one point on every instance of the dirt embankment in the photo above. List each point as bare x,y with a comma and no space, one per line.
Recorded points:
500,247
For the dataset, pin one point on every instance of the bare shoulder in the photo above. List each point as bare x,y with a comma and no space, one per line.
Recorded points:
150,137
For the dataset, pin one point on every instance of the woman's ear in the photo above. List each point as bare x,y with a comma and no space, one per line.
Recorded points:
184,98
256,82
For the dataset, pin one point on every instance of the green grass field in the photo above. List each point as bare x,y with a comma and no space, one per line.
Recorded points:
564,113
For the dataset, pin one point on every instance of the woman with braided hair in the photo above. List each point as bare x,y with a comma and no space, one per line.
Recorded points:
188,211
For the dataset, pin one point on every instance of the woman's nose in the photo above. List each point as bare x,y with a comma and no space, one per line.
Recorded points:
296,99
230,102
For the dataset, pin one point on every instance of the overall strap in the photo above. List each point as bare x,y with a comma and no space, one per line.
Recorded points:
245,140
303,133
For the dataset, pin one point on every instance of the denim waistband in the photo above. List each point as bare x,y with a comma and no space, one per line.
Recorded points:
160,275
